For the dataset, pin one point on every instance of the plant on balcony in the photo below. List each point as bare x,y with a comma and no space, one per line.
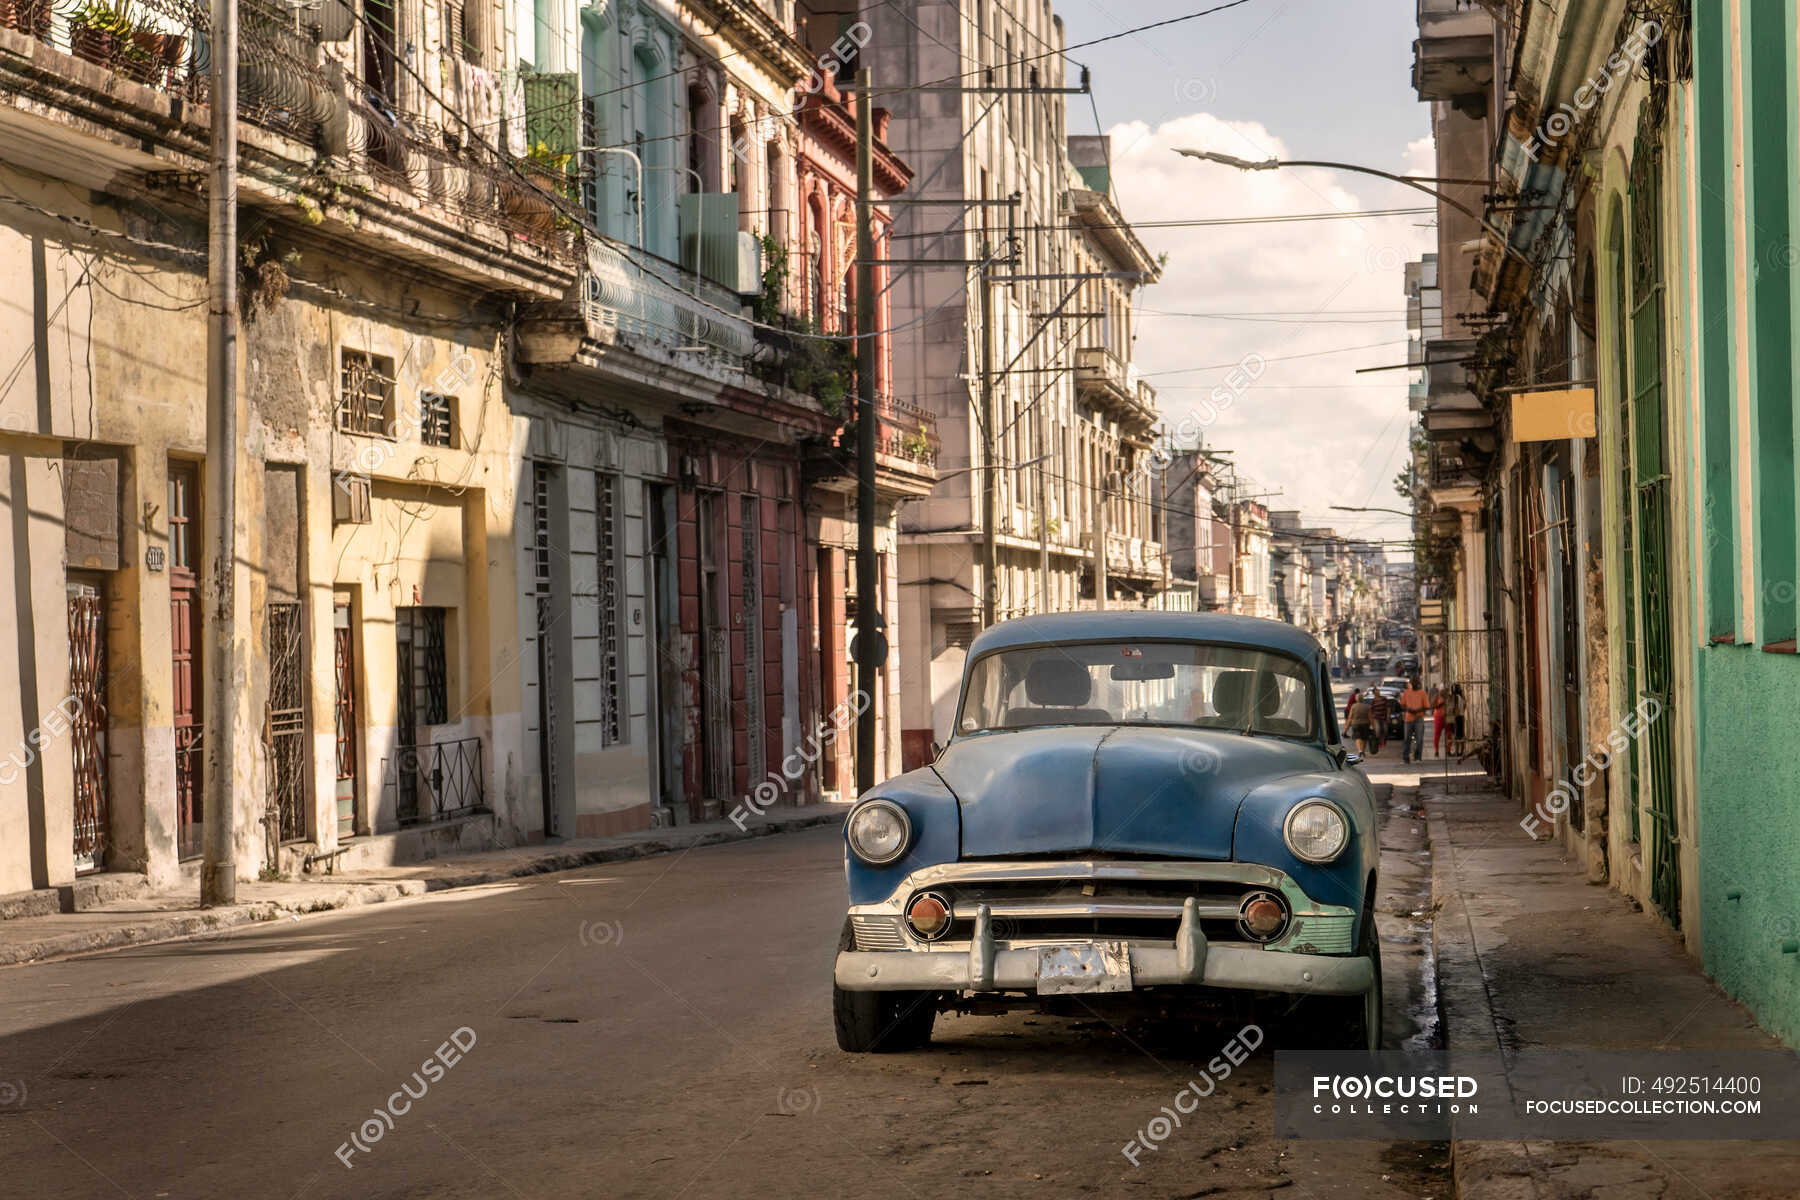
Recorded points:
528,201
917,446
766,308
104,34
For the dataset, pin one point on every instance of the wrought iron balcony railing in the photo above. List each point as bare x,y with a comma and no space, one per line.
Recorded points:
635,293
438,782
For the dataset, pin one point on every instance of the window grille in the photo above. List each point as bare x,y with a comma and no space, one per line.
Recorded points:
366,394
437,419
606,600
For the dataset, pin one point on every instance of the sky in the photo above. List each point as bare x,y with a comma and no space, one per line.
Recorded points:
1309,79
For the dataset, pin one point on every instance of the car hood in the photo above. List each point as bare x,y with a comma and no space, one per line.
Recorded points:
1111,789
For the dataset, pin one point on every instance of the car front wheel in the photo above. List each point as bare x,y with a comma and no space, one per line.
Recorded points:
1345,1022
880,1022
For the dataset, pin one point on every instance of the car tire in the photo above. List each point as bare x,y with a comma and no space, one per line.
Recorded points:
880,1022
1345,1022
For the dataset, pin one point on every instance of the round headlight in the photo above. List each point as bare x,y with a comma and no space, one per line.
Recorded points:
1316,831
878,832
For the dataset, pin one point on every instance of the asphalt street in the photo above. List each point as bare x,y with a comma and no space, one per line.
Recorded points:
654,1028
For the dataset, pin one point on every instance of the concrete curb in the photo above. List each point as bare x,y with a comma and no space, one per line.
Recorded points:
1479,1170
332,898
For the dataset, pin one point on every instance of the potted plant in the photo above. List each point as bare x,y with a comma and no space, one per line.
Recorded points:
157,55
99,32
530,206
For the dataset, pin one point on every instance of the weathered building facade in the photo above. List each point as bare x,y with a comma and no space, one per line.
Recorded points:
525,541
1629,531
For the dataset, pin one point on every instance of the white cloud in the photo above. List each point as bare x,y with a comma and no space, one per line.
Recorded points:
1311,426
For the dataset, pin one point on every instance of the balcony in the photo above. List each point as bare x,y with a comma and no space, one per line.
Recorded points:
109,92
906,449
640,296
1105,381
1453,57
1130,558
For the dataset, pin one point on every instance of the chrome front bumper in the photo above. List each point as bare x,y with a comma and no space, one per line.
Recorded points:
1190,962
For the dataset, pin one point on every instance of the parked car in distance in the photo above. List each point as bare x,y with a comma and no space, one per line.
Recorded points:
1391,687
1135,811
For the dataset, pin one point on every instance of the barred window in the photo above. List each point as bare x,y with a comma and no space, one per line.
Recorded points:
366,394
420,631
437,419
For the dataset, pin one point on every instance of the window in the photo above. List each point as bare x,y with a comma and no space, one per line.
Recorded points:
366,394
437,419
422,629
461,34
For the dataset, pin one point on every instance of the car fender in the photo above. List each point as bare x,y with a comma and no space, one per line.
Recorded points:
936,834
1258,838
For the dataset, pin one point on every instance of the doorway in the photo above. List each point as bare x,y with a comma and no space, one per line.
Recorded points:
344,715
186,691
665,625
87,721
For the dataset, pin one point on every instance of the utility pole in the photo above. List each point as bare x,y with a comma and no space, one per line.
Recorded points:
218,868
1100,536
871,637
990,551
1042,427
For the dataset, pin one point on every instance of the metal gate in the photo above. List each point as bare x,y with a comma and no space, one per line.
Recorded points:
1471,658
406,723
546,655
87,724
1651,496
715,676
284,729
184,641
344,717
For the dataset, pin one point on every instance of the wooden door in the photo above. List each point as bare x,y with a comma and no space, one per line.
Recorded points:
187,692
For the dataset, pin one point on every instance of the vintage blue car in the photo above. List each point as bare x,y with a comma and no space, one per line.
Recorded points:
1150,803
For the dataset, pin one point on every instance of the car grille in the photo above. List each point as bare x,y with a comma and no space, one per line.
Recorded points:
1023,910
878,933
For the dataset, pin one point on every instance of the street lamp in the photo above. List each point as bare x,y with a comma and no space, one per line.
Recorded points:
1400,512
997,466
1270,164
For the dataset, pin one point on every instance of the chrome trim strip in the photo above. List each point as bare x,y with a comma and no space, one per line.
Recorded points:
1046,909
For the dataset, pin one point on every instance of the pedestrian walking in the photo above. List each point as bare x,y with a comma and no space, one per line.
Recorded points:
1360,716
1350,704
1378,717
1413,705
1454,705
1439,698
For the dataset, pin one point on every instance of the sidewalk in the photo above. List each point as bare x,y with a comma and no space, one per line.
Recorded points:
160,916
1530,956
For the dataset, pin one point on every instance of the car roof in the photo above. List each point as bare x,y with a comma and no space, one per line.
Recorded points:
1147,624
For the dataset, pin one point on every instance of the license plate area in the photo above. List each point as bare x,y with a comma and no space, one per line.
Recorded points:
1089,967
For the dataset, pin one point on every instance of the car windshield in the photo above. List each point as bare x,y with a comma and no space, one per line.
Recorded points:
1140,683
1398,685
